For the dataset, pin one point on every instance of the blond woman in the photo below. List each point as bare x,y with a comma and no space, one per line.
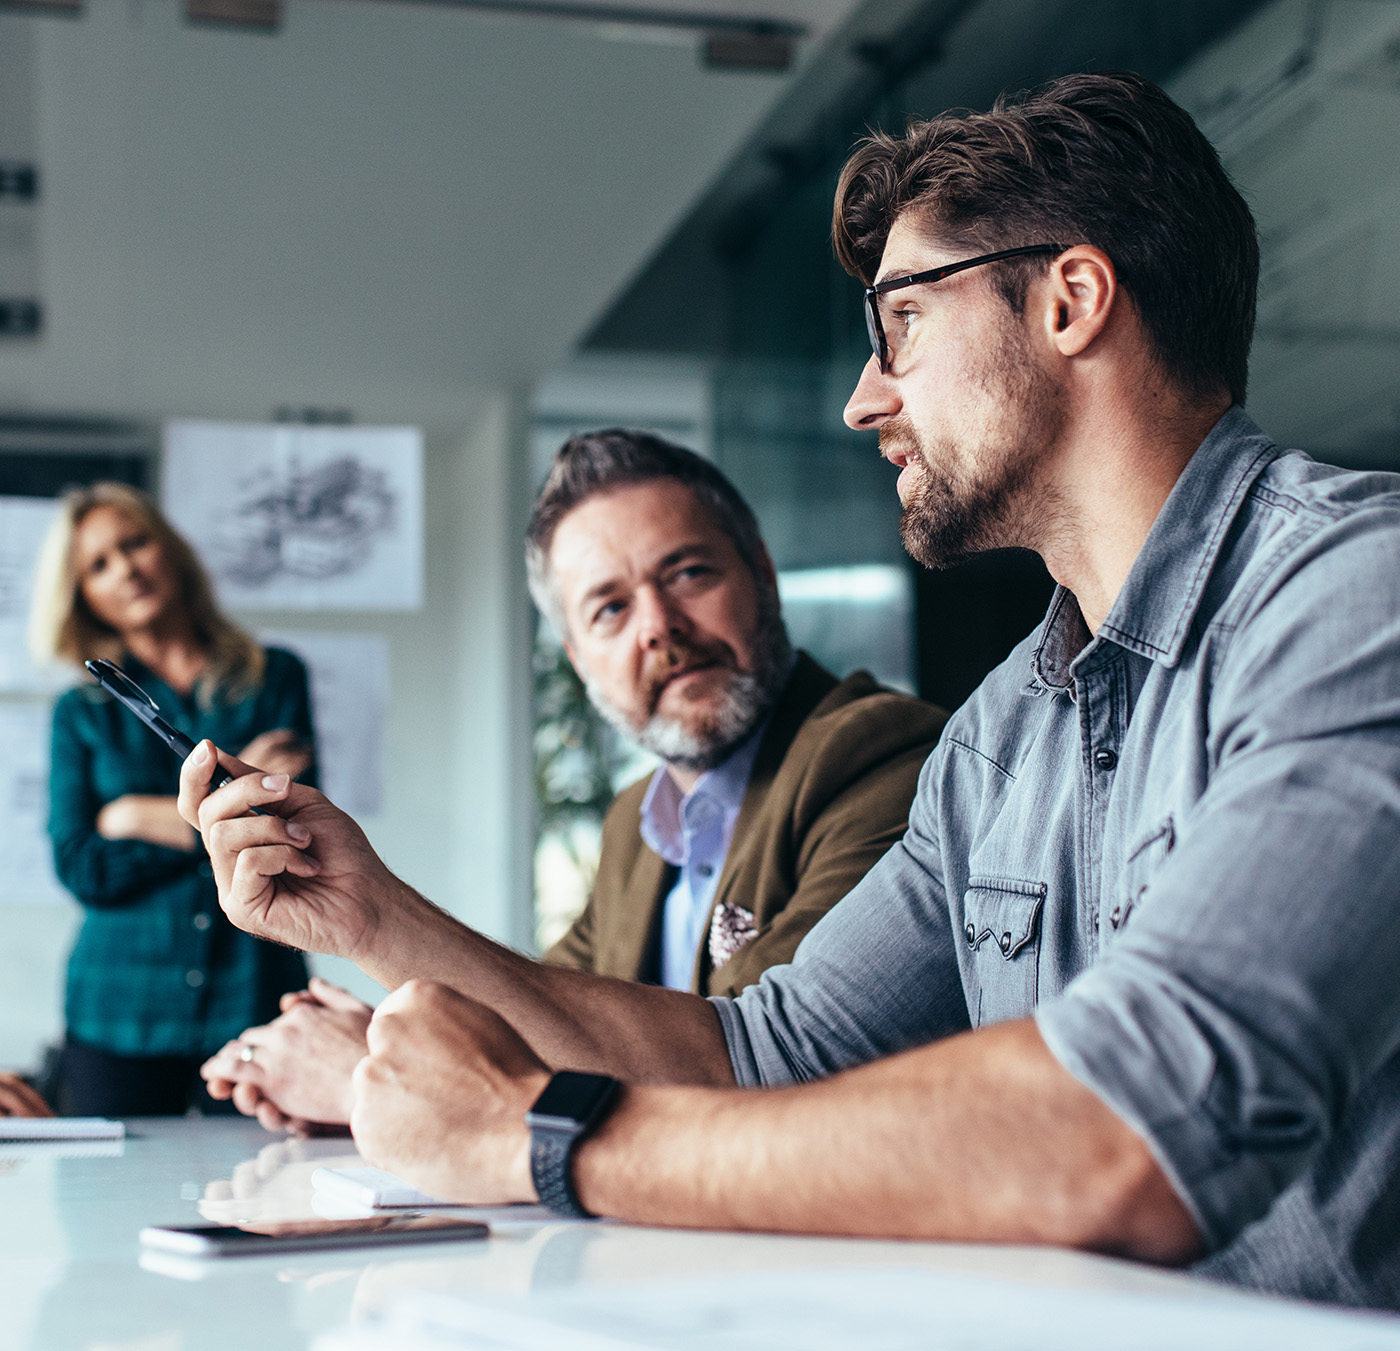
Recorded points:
157,979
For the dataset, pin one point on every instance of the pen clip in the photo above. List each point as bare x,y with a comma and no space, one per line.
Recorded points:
116,682
123,688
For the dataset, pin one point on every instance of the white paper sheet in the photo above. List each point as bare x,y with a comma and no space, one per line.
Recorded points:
60,1128
301,518
344,1193
24,521
875,1309
349,698
26,858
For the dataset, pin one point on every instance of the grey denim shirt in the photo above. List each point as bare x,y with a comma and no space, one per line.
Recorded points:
1176,844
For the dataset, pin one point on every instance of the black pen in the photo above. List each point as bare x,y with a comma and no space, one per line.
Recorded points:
124,689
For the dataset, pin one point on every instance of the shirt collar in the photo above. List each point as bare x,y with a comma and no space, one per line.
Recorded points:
666,811
1153,612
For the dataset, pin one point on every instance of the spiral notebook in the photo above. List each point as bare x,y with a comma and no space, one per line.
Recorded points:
60,1128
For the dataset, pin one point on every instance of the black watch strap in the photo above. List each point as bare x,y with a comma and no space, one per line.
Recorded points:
550,1154
571,1105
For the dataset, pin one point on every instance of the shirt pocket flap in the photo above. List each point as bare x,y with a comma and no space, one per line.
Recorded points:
1004,910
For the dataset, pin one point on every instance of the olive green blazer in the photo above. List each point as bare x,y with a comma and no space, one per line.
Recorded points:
829,794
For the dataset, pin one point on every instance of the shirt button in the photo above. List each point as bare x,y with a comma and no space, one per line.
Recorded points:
1115,916
971,934
1105,759
194,979
704,870
202,921
1005,943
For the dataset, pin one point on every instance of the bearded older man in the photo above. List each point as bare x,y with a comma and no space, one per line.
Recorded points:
780,787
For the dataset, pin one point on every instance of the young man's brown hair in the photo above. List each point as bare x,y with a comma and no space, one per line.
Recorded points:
1107,160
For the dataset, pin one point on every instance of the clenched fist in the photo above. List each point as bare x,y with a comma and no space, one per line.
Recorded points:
440,1100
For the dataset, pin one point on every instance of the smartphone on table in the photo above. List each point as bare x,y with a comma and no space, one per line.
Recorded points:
227,1240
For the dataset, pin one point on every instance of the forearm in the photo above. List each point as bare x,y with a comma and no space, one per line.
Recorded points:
981,1138
156,820
572,1019
303,873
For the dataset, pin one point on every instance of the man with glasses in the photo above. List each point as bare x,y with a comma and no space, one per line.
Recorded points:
1128,981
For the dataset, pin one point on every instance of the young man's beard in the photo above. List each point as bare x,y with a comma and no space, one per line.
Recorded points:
945,520
747,698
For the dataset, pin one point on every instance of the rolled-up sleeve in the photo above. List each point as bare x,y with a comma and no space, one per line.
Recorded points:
842,1000
1237,1018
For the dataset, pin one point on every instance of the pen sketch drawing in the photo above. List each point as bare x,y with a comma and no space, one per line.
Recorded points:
301,518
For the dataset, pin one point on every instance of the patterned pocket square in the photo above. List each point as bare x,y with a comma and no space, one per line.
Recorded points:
732,928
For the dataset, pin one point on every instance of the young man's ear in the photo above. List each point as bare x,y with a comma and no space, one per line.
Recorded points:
1083,288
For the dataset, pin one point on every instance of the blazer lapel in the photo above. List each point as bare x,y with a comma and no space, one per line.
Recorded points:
633,947
808,685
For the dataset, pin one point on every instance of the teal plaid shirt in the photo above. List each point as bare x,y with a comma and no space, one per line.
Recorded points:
157,969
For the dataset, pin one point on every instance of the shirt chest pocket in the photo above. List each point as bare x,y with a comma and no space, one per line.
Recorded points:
1143,861
1001,934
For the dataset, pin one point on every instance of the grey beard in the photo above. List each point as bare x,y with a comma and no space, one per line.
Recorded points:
748,698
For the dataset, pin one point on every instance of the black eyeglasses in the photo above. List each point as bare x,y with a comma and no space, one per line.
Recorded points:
878,342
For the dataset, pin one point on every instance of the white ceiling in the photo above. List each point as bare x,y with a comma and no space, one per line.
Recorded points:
374,207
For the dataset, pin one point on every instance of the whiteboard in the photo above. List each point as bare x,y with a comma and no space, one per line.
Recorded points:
24,521
27,875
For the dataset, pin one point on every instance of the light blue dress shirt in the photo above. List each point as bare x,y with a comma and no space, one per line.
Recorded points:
1176,845
692,833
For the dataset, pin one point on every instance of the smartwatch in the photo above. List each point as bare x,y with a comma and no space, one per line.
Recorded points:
571,1105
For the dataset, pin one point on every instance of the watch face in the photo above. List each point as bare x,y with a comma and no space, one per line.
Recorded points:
573,1097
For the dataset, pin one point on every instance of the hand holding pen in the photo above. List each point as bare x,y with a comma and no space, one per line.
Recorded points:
300,871
290,865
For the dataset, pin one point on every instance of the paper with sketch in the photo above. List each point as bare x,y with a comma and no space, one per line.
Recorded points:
300,518
875,1308
27,875
24,521
349,675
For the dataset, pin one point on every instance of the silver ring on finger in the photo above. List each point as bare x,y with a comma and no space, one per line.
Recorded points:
245,1054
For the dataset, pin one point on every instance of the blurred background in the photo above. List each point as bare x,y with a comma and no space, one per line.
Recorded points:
431,240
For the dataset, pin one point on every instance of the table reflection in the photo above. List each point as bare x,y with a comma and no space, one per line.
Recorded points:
275,1184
